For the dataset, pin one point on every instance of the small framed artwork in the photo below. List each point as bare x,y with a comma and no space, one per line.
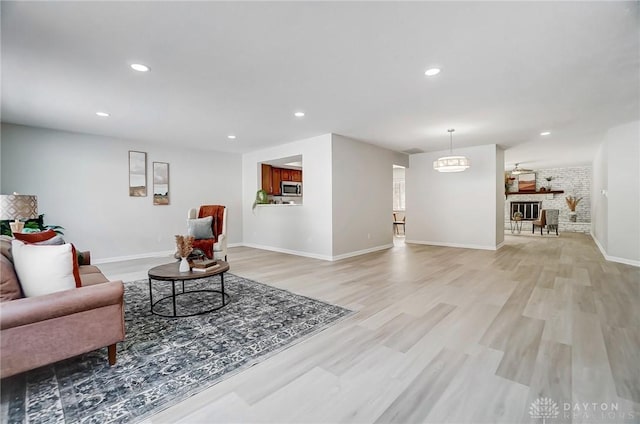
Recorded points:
137,174
527,182
160,183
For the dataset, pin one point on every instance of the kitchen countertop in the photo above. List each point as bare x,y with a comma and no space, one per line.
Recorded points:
278,204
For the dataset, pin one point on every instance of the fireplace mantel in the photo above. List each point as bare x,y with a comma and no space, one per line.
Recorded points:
534,192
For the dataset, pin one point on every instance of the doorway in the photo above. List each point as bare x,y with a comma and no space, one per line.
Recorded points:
399,206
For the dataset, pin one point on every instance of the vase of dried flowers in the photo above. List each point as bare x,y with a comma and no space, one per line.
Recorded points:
184,265
184,245
572,202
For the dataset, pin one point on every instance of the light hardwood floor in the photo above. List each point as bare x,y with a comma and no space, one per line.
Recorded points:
442,335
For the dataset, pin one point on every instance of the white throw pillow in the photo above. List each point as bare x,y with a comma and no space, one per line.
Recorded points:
43,269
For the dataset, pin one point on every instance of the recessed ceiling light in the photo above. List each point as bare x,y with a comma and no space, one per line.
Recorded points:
431,72
231,137
102,114
139,67
545,133
299,114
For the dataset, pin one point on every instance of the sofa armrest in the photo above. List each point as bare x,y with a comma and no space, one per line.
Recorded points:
84,258
40,308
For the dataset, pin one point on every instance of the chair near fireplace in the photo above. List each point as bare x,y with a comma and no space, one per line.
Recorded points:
548,218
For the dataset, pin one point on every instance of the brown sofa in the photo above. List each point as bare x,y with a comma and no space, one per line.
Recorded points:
40,330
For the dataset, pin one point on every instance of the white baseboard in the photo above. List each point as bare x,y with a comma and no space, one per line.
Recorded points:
500,245
129,257
288,251
460,245
318,256
613,258
145,255
604,252
362,252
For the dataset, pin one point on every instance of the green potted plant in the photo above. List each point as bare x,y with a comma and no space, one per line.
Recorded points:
30,226
261,199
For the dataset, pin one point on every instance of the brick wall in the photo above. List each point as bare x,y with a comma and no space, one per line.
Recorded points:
575,181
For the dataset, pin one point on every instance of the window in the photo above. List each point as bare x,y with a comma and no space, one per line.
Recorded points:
398,189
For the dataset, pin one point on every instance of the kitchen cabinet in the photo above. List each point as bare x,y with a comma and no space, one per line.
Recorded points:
272,177
276,177
290,175
267,178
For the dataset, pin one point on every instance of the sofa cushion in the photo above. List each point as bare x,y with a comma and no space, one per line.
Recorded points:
35,237
5,247
200,228
44,269
89,269
92,279
9,285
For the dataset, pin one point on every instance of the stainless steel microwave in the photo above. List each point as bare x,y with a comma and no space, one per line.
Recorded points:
290,188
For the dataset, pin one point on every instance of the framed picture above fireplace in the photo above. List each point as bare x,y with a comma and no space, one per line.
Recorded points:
527,182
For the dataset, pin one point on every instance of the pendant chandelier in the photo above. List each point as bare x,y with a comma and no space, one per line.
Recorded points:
451,163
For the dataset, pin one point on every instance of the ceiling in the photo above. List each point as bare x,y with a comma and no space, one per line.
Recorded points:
509,71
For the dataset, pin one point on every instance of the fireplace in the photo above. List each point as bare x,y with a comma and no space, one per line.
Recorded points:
530,210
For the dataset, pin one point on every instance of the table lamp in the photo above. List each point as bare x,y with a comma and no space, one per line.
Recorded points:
18,206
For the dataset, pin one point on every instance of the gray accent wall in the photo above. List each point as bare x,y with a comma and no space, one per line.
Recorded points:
81,181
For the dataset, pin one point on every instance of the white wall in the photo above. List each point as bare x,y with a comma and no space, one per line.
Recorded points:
362,177
599,207
82,182
304,229
456,209
500,200
617,213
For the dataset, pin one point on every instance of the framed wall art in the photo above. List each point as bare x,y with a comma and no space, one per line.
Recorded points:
160,183
137,174
527,182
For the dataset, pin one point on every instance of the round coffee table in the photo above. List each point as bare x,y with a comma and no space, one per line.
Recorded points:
169,272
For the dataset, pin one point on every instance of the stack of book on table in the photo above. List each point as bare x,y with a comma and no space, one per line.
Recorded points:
204,265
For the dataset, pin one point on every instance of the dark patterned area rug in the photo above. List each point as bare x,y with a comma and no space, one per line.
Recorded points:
166,360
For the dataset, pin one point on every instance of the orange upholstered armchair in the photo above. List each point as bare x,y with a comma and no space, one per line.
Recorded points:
213,247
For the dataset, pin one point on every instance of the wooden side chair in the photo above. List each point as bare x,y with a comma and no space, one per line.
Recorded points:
397,223
549,219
